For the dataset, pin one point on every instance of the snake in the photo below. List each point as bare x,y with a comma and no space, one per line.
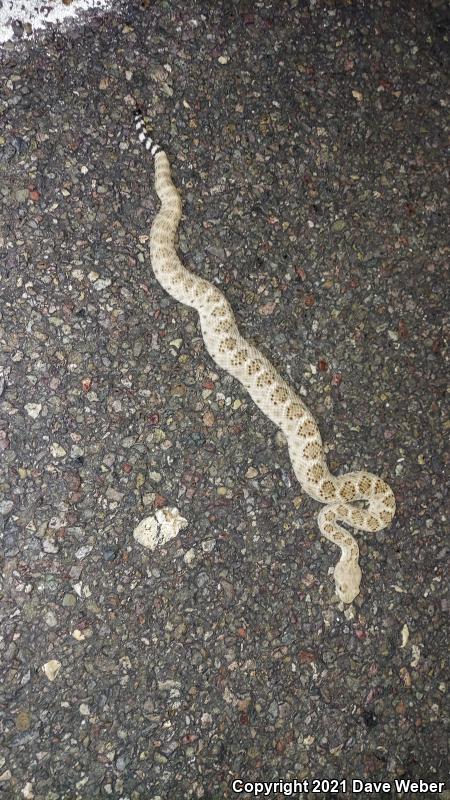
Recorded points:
360,500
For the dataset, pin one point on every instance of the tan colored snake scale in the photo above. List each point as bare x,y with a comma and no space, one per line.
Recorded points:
268,390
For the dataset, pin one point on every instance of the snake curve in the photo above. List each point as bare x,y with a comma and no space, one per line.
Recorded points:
276,399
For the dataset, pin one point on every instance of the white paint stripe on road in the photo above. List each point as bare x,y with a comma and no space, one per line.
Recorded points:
33,15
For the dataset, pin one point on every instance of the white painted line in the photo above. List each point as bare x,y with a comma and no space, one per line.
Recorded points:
33,15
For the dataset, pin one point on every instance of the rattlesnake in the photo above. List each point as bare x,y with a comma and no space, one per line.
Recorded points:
268,390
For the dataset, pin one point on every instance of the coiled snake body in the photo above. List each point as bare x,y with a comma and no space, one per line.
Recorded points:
268,390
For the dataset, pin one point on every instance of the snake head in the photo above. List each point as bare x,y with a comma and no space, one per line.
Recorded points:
347,576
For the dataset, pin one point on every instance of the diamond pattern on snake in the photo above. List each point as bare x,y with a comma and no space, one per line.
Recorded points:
341,495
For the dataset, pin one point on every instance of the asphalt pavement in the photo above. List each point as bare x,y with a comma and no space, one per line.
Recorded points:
308,142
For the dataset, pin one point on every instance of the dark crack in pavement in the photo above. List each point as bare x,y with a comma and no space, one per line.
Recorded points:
308,141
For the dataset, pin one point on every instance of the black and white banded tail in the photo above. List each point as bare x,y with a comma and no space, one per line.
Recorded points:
144,134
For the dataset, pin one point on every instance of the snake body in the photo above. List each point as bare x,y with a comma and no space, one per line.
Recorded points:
276,399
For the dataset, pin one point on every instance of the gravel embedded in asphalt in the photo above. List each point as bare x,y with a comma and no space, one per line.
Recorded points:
308,142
